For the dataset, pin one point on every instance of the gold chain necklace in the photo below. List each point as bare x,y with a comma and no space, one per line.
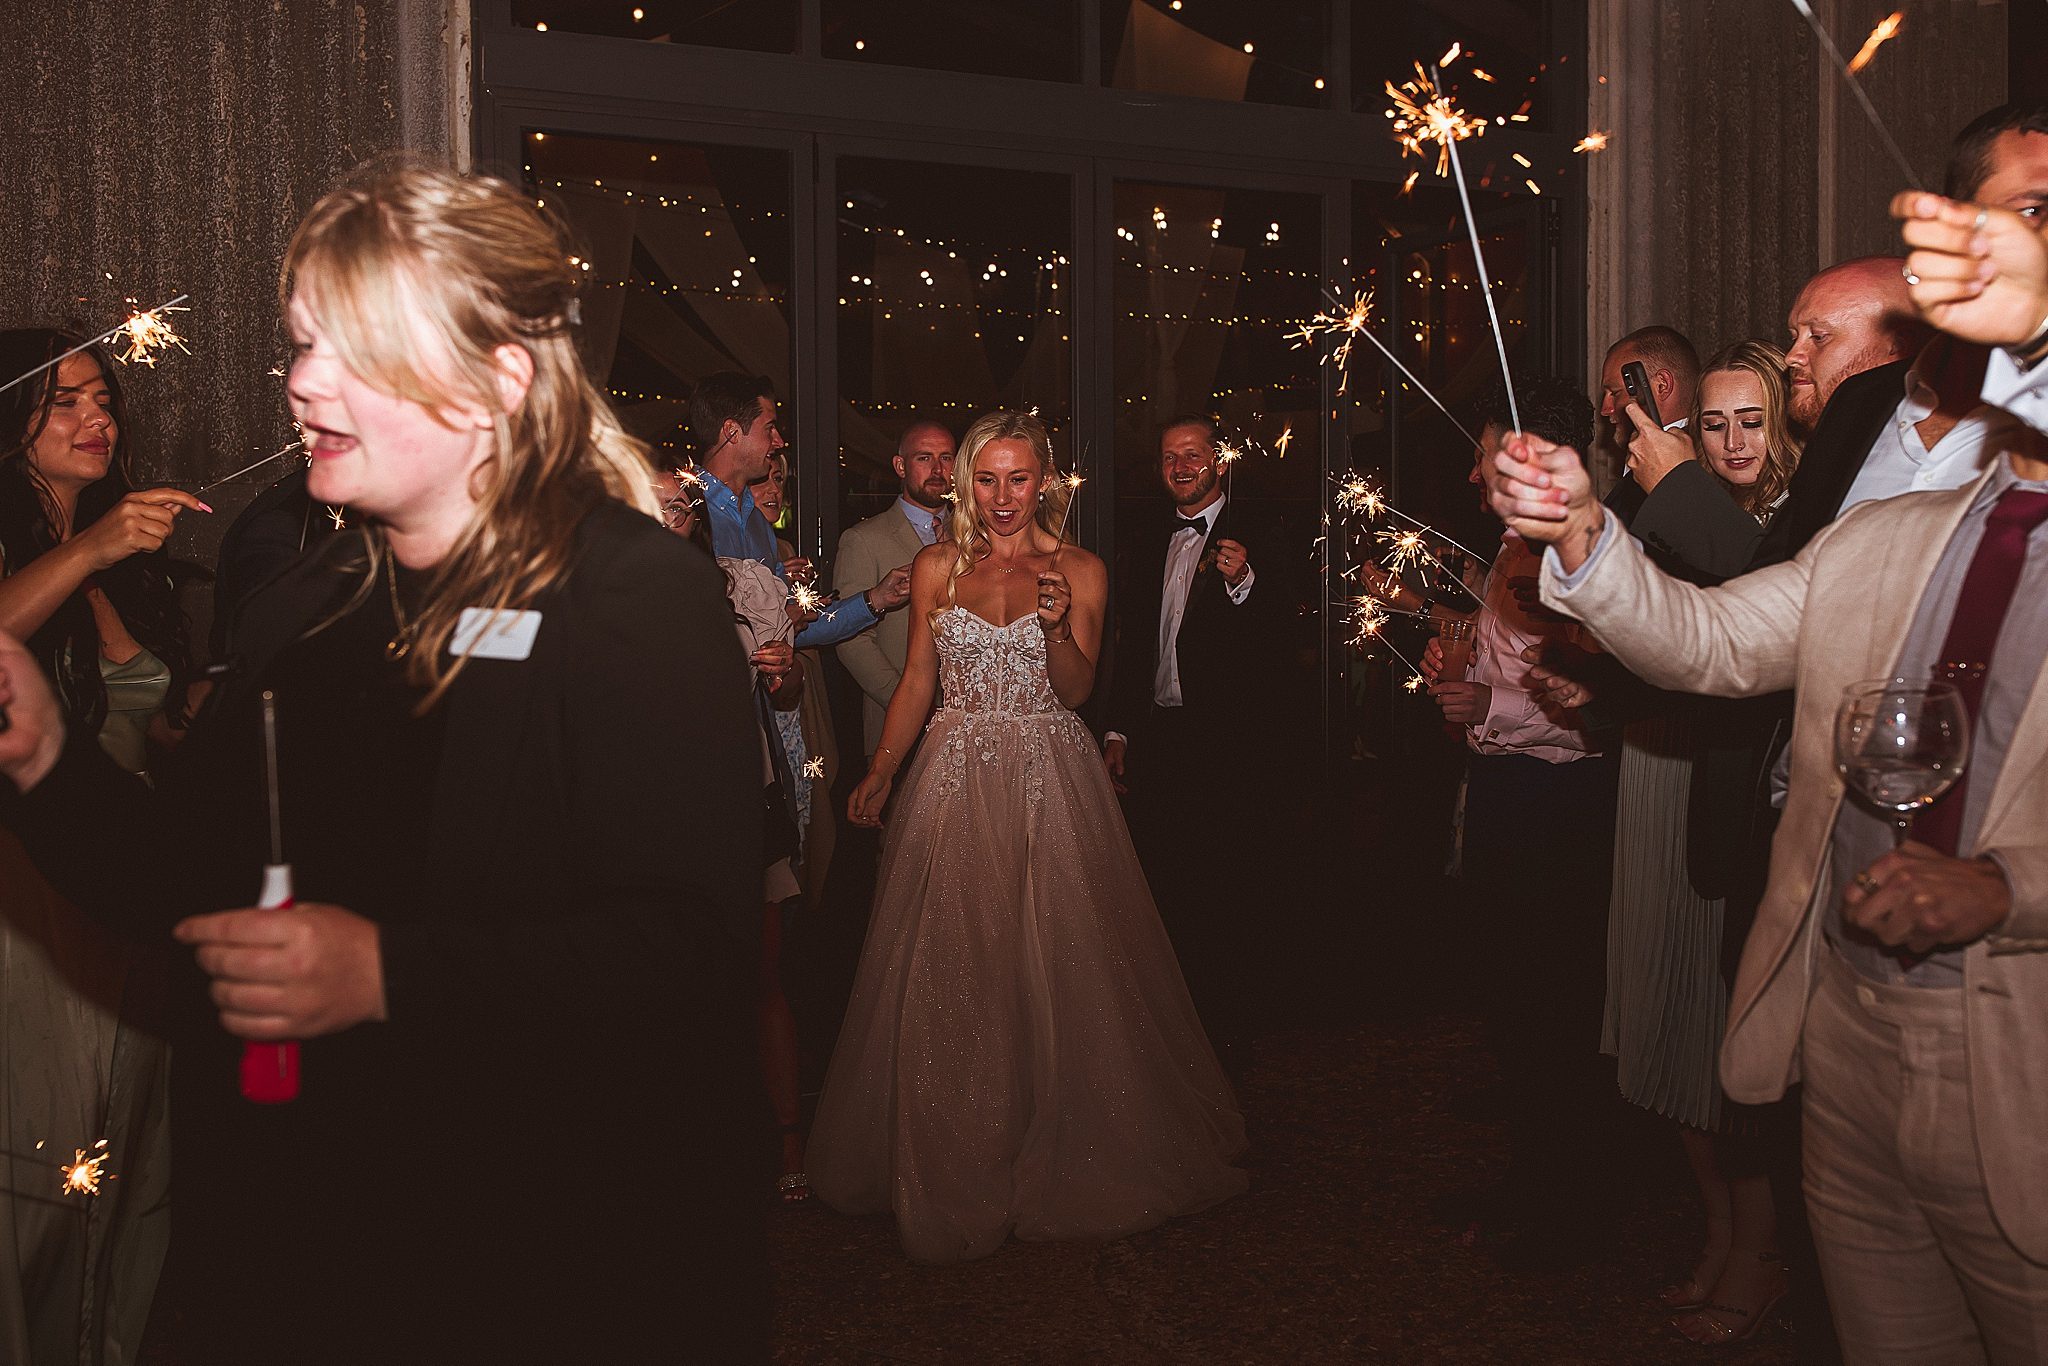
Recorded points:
400,644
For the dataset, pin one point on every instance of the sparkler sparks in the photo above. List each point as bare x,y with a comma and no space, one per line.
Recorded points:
1351,323
1424,113
814,767
1355,494
1405,550
145,333
1595,141
806,598
1886,30
1280,441
82,1175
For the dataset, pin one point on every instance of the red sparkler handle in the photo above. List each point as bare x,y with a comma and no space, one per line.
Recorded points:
270,1071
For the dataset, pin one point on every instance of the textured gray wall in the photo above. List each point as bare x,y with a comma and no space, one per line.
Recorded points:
174,144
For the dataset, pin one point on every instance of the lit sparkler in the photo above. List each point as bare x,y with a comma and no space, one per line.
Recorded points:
82,1175
1350,323
1856,87
1368,626
1595,141
1405,550
1886,30
1424,113
814,767
147,333
806,598
1280,441
1073,484
278,454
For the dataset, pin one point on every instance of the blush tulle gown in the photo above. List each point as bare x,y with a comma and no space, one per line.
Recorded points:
1020,1055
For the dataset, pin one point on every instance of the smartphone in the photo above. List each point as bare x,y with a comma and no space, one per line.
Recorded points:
1636,380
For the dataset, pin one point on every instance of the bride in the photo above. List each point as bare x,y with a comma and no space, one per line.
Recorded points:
1020,1054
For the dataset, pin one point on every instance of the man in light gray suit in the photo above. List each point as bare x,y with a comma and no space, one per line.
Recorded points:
884,545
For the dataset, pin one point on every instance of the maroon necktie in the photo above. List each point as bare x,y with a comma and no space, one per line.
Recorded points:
1965,657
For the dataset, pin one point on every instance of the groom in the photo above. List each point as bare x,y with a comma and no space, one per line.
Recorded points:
1192,635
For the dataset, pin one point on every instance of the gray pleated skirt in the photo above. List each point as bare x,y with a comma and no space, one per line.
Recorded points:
1666,1001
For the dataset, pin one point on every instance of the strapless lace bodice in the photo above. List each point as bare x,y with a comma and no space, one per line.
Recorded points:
996,705
993,669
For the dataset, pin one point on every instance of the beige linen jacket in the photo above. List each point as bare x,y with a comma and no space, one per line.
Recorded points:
1835,615
868,550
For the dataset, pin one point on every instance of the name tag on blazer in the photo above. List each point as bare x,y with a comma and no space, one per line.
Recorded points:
483,634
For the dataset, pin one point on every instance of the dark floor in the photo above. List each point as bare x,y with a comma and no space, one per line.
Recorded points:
1331,1257
1351,1034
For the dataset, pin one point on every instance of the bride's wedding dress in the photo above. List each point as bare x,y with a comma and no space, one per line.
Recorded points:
1020,1054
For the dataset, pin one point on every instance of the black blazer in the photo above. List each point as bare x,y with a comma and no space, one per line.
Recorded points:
1222,645
1849,426
573,1003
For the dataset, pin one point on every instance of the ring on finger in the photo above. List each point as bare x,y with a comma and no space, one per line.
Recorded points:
1867,884
1983,217
1911,278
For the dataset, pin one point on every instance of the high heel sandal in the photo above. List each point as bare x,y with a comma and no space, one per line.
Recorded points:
793,1187
1722,1325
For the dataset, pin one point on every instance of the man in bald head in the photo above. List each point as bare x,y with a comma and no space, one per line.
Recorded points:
1851,317
1897,412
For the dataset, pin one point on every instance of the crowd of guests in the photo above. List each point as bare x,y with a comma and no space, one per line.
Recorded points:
506,972
1650,790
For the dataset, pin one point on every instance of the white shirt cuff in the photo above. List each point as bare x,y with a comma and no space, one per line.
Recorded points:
1243,589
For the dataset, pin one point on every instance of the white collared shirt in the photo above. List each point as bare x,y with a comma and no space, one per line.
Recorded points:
1900,462
1183,558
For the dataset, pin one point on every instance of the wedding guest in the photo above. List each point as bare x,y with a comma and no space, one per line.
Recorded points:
1899,984
1012,913
1916,424
1852,317
1666,996
84,582
809,740
1544,935
761,611
498,702
869,551
1672,365
733,418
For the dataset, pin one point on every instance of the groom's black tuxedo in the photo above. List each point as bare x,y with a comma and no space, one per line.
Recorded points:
1224,648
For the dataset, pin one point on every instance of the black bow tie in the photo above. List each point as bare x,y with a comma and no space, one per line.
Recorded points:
1200,524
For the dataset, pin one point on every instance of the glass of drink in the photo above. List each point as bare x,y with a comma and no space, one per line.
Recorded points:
1900,745
1456,635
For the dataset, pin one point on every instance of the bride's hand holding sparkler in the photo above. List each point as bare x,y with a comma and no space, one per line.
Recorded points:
33,734
1542,492
293,973
1976,273
1654,452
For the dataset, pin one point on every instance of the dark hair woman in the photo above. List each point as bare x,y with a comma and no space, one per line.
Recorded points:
520,795
83,580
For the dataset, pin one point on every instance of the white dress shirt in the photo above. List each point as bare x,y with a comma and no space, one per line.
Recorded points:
1900,462
2023,393
1183,558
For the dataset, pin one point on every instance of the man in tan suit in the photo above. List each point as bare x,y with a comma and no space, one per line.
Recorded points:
885,544
1908,988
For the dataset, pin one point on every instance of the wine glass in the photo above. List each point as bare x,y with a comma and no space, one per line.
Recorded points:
1900,744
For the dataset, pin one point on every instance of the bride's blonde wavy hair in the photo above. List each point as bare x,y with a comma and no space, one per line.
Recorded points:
963,528
417,275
